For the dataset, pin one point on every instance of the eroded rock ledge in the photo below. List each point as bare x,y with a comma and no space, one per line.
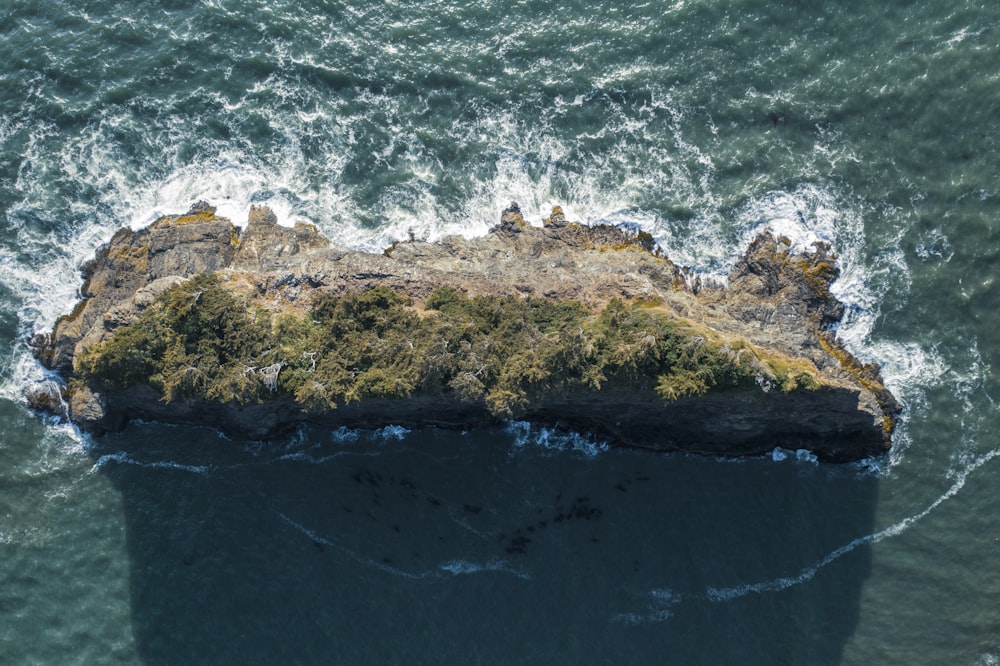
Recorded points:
256,330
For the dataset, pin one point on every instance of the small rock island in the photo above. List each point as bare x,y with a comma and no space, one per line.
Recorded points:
254,331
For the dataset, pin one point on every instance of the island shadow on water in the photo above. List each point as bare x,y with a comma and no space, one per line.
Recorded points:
490,546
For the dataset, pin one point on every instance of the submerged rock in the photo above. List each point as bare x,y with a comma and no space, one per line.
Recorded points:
589,328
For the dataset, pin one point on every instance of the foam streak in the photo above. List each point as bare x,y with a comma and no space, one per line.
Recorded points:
778,584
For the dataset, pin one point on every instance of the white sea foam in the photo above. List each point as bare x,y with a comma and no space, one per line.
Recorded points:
607,185
303,457
911,370
344,434
232,187
800,455
297,456
123,458
391,433
528,435
464,567
934,246
61,448
991,658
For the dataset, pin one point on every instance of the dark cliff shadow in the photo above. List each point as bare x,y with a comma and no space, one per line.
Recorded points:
486,547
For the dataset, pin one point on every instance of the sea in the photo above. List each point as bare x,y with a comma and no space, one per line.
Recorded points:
871,126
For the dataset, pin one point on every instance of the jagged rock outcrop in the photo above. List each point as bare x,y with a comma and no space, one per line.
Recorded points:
807,391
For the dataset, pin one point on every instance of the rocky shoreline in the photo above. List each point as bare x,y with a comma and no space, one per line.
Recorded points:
658,363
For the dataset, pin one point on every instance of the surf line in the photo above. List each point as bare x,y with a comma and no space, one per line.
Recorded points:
777,584
123,458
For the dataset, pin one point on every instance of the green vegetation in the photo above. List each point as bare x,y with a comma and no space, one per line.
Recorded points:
199,340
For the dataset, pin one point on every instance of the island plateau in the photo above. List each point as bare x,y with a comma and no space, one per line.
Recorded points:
260,329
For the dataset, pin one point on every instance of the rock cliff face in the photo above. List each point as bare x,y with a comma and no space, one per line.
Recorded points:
790,383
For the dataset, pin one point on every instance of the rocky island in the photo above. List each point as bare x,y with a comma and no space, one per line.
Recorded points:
256,330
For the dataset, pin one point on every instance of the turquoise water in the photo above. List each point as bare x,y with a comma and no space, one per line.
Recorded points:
872,127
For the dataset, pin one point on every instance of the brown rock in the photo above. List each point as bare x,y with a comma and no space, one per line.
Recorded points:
46,396
87,408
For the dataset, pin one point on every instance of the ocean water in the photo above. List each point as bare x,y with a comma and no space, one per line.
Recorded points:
872,126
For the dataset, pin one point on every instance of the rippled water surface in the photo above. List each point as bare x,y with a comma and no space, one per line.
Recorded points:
871,126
